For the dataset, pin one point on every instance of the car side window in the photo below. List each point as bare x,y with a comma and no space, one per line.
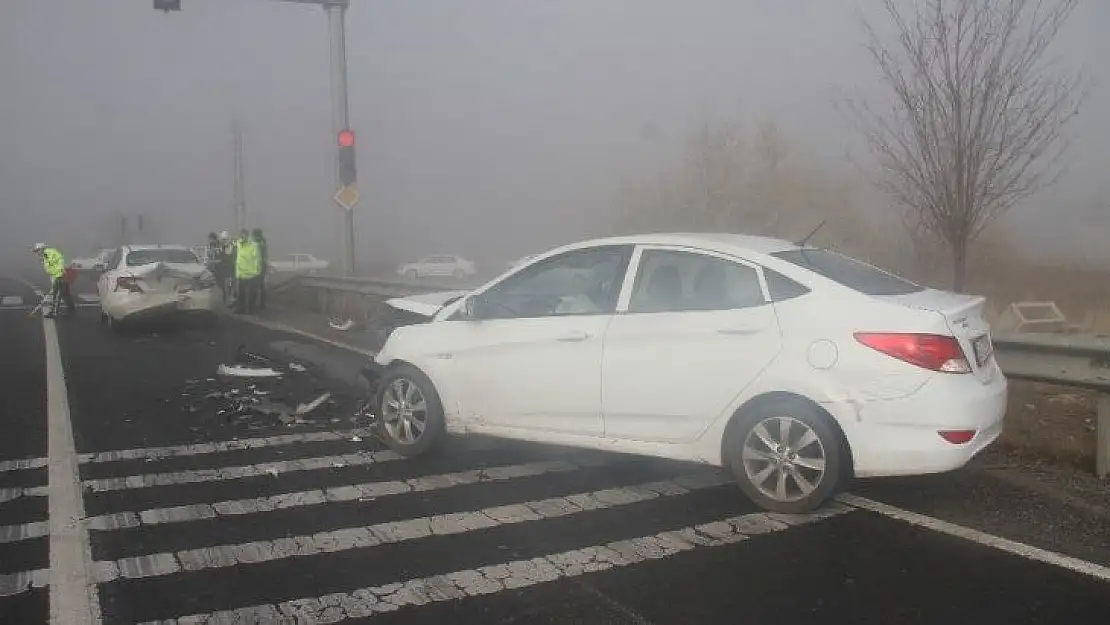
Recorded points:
674,281
782,288
580,282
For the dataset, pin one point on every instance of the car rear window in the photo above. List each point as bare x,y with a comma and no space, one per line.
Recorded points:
146,257
849,272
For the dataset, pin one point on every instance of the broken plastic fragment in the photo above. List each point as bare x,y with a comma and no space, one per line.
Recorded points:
247,372
313,405
356,439
296,367
342,326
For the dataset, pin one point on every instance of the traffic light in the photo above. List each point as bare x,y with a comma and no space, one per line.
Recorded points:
167,5
347,172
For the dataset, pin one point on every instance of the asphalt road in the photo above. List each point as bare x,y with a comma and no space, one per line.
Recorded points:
207,511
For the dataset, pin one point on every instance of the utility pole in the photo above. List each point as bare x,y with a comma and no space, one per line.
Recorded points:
337,10
240,207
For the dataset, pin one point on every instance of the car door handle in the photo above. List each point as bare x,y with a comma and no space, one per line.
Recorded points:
737,331
574,336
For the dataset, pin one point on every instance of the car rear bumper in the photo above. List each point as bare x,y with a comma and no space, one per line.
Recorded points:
134,306
902,437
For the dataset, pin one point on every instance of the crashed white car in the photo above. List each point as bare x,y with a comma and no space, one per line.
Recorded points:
791,366
152,281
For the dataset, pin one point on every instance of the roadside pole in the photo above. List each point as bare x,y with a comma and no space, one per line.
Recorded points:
240,200
337,10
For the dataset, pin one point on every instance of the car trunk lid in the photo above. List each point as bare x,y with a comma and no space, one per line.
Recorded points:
167,277
964,316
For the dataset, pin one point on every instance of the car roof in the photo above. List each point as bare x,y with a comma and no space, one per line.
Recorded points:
717,241
141,248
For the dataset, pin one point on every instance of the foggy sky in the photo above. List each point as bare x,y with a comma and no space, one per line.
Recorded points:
487,128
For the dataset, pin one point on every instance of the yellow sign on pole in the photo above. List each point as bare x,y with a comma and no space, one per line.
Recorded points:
346,197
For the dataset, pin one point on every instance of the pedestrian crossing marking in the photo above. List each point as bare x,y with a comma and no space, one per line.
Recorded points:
11,300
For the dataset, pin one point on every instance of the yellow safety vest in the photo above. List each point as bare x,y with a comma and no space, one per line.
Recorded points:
53,262
248,260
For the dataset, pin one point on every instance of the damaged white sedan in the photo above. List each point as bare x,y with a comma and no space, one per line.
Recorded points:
794,368
156,281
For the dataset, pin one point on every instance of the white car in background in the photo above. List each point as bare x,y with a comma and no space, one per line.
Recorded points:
438,265
513,264
152,281
792,367
92,263
299,263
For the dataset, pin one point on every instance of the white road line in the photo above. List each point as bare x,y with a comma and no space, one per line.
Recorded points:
196,476
26,531
281,327
11,300
366,602
159,564
199,449
73,595
320,496
21,464
91,298
13,584
1023,550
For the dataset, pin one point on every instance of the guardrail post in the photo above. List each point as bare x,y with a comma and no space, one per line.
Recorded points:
1102,436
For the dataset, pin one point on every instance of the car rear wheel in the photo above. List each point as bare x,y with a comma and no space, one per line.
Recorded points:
786,456
410,414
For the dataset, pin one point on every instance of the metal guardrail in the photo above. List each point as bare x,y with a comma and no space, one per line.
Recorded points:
1074,360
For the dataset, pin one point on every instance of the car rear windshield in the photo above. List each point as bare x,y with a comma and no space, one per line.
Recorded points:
849,272
145,257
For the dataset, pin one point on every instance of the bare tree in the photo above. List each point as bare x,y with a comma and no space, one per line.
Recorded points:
976,114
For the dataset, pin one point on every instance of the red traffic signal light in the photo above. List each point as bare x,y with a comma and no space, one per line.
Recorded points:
346,139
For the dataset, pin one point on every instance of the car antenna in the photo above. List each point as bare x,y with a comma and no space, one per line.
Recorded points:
810,235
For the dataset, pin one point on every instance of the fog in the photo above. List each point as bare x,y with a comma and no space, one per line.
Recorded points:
486,128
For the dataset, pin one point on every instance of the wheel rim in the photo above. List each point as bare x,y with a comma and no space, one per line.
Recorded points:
404,411
784,458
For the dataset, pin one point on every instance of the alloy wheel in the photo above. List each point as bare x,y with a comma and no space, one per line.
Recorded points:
784,458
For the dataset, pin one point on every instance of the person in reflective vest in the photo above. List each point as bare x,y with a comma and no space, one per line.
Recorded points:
248,272
55,266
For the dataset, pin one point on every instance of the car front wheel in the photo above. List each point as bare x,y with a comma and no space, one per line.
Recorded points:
785,456
410,414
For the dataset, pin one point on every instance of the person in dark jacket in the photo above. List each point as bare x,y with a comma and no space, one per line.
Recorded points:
264,257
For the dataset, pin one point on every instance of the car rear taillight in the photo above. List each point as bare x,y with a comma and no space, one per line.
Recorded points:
128,283
957,437
935,352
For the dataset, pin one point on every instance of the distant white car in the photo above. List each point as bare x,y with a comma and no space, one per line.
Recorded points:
438,265
792,367
299,263
150,281
513,264
93,263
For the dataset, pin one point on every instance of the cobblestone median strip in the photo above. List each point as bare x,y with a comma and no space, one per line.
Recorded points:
366,602
158,564
352,492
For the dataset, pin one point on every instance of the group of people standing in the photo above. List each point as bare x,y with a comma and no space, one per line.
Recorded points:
240,268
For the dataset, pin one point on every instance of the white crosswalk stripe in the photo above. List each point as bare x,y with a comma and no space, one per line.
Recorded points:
11,300
179,553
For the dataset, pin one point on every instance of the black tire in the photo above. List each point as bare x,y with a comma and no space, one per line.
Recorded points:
827,446
434,433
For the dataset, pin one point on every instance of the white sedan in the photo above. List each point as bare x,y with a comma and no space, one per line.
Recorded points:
152,281
792,367
439,265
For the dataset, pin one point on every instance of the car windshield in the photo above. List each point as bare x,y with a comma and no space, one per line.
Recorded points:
160,255
849,272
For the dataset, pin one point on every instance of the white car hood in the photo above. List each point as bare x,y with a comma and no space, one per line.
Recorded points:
426,304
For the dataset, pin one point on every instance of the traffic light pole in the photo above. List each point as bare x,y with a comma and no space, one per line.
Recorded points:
337,10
